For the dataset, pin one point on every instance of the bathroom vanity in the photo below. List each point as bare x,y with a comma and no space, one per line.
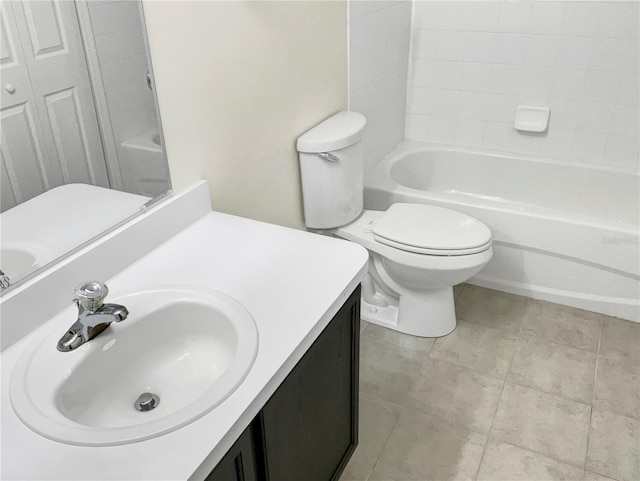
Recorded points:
294,415
309,428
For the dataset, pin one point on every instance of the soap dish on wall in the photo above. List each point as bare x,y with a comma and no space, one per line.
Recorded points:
531,119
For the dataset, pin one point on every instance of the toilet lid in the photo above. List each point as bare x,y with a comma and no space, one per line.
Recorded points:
431,230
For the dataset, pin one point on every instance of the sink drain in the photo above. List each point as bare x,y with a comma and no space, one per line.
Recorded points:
146,402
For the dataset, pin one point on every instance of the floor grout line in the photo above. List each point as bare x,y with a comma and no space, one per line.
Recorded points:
504,382
593,393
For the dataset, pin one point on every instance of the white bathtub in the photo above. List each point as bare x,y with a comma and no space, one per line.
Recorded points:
562,233
143,165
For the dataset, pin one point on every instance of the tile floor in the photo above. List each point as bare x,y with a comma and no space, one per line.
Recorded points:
521,390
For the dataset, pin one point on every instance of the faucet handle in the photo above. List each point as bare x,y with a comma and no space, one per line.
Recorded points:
91,295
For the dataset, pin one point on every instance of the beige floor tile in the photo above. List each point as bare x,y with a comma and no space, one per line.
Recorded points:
492,308
543,423
554,368
618,386
363,325
614,446
386,371
377,419
504,462
620,337
399,339
589,476
476,347
563,325
456,394
423,447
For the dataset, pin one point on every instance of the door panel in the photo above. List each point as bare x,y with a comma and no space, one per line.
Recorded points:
56,64
70,136
21,153
45,28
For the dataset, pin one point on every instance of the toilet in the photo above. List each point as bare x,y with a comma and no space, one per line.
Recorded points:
417,252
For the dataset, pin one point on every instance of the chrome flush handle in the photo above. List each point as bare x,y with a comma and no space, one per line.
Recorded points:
328,156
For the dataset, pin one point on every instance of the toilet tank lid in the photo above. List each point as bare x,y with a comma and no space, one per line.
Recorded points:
337,132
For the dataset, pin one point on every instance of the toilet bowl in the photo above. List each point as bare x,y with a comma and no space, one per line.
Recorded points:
409,287
417,253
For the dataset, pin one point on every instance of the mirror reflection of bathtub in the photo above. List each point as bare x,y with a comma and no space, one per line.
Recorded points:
143,166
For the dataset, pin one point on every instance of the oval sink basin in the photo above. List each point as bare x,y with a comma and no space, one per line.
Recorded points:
18,259
188,346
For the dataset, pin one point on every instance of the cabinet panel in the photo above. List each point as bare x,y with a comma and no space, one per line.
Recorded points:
310,424
239,464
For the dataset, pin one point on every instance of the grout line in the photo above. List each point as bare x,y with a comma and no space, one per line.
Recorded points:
593,392
504,382
386,441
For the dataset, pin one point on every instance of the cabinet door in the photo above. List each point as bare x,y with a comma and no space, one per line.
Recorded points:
310,424
239,464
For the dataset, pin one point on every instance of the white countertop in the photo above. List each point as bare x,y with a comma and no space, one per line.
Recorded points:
292,283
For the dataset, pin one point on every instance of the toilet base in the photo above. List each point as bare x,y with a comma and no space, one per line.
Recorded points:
426,314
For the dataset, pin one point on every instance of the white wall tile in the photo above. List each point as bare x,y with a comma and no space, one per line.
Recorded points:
440,15
565,114
424,43
448,75
536,81
476,76
602,86
625,120
629,89
569,83
595,117
574,52
450,45
609,54
483,16
581,18
514,16
442,130
444,103
547,17
506,79
417,127
540,50
473,105
622,151
379,41
501,107
558,143
477,61
497,135
469,132
588,147
527,143
616,19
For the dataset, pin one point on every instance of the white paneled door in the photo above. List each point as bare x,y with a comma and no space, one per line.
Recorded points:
50,133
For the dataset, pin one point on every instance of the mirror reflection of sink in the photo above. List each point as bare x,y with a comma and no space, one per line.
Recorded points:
18,259
191,347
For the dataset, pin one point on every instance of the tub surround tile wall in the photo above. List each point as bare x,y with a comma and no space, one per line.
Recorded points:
540,415
379,32
117,29
472,63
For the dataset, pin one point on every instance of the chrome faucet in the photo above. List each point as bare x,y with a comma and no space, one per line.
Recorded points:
4,281
93,316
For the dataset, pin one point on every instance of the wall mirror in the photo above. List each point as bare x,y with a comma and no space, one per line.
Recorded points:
81,138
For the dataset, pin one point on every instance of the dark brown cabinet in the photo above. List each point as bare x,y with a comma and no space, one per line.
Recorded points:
309,427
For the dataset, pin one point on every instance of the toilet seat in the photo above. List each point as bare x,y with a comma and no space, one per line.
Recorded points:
430,230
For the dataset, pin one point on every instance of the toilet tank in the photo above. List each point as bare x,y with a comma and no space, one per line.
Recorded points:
332,169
